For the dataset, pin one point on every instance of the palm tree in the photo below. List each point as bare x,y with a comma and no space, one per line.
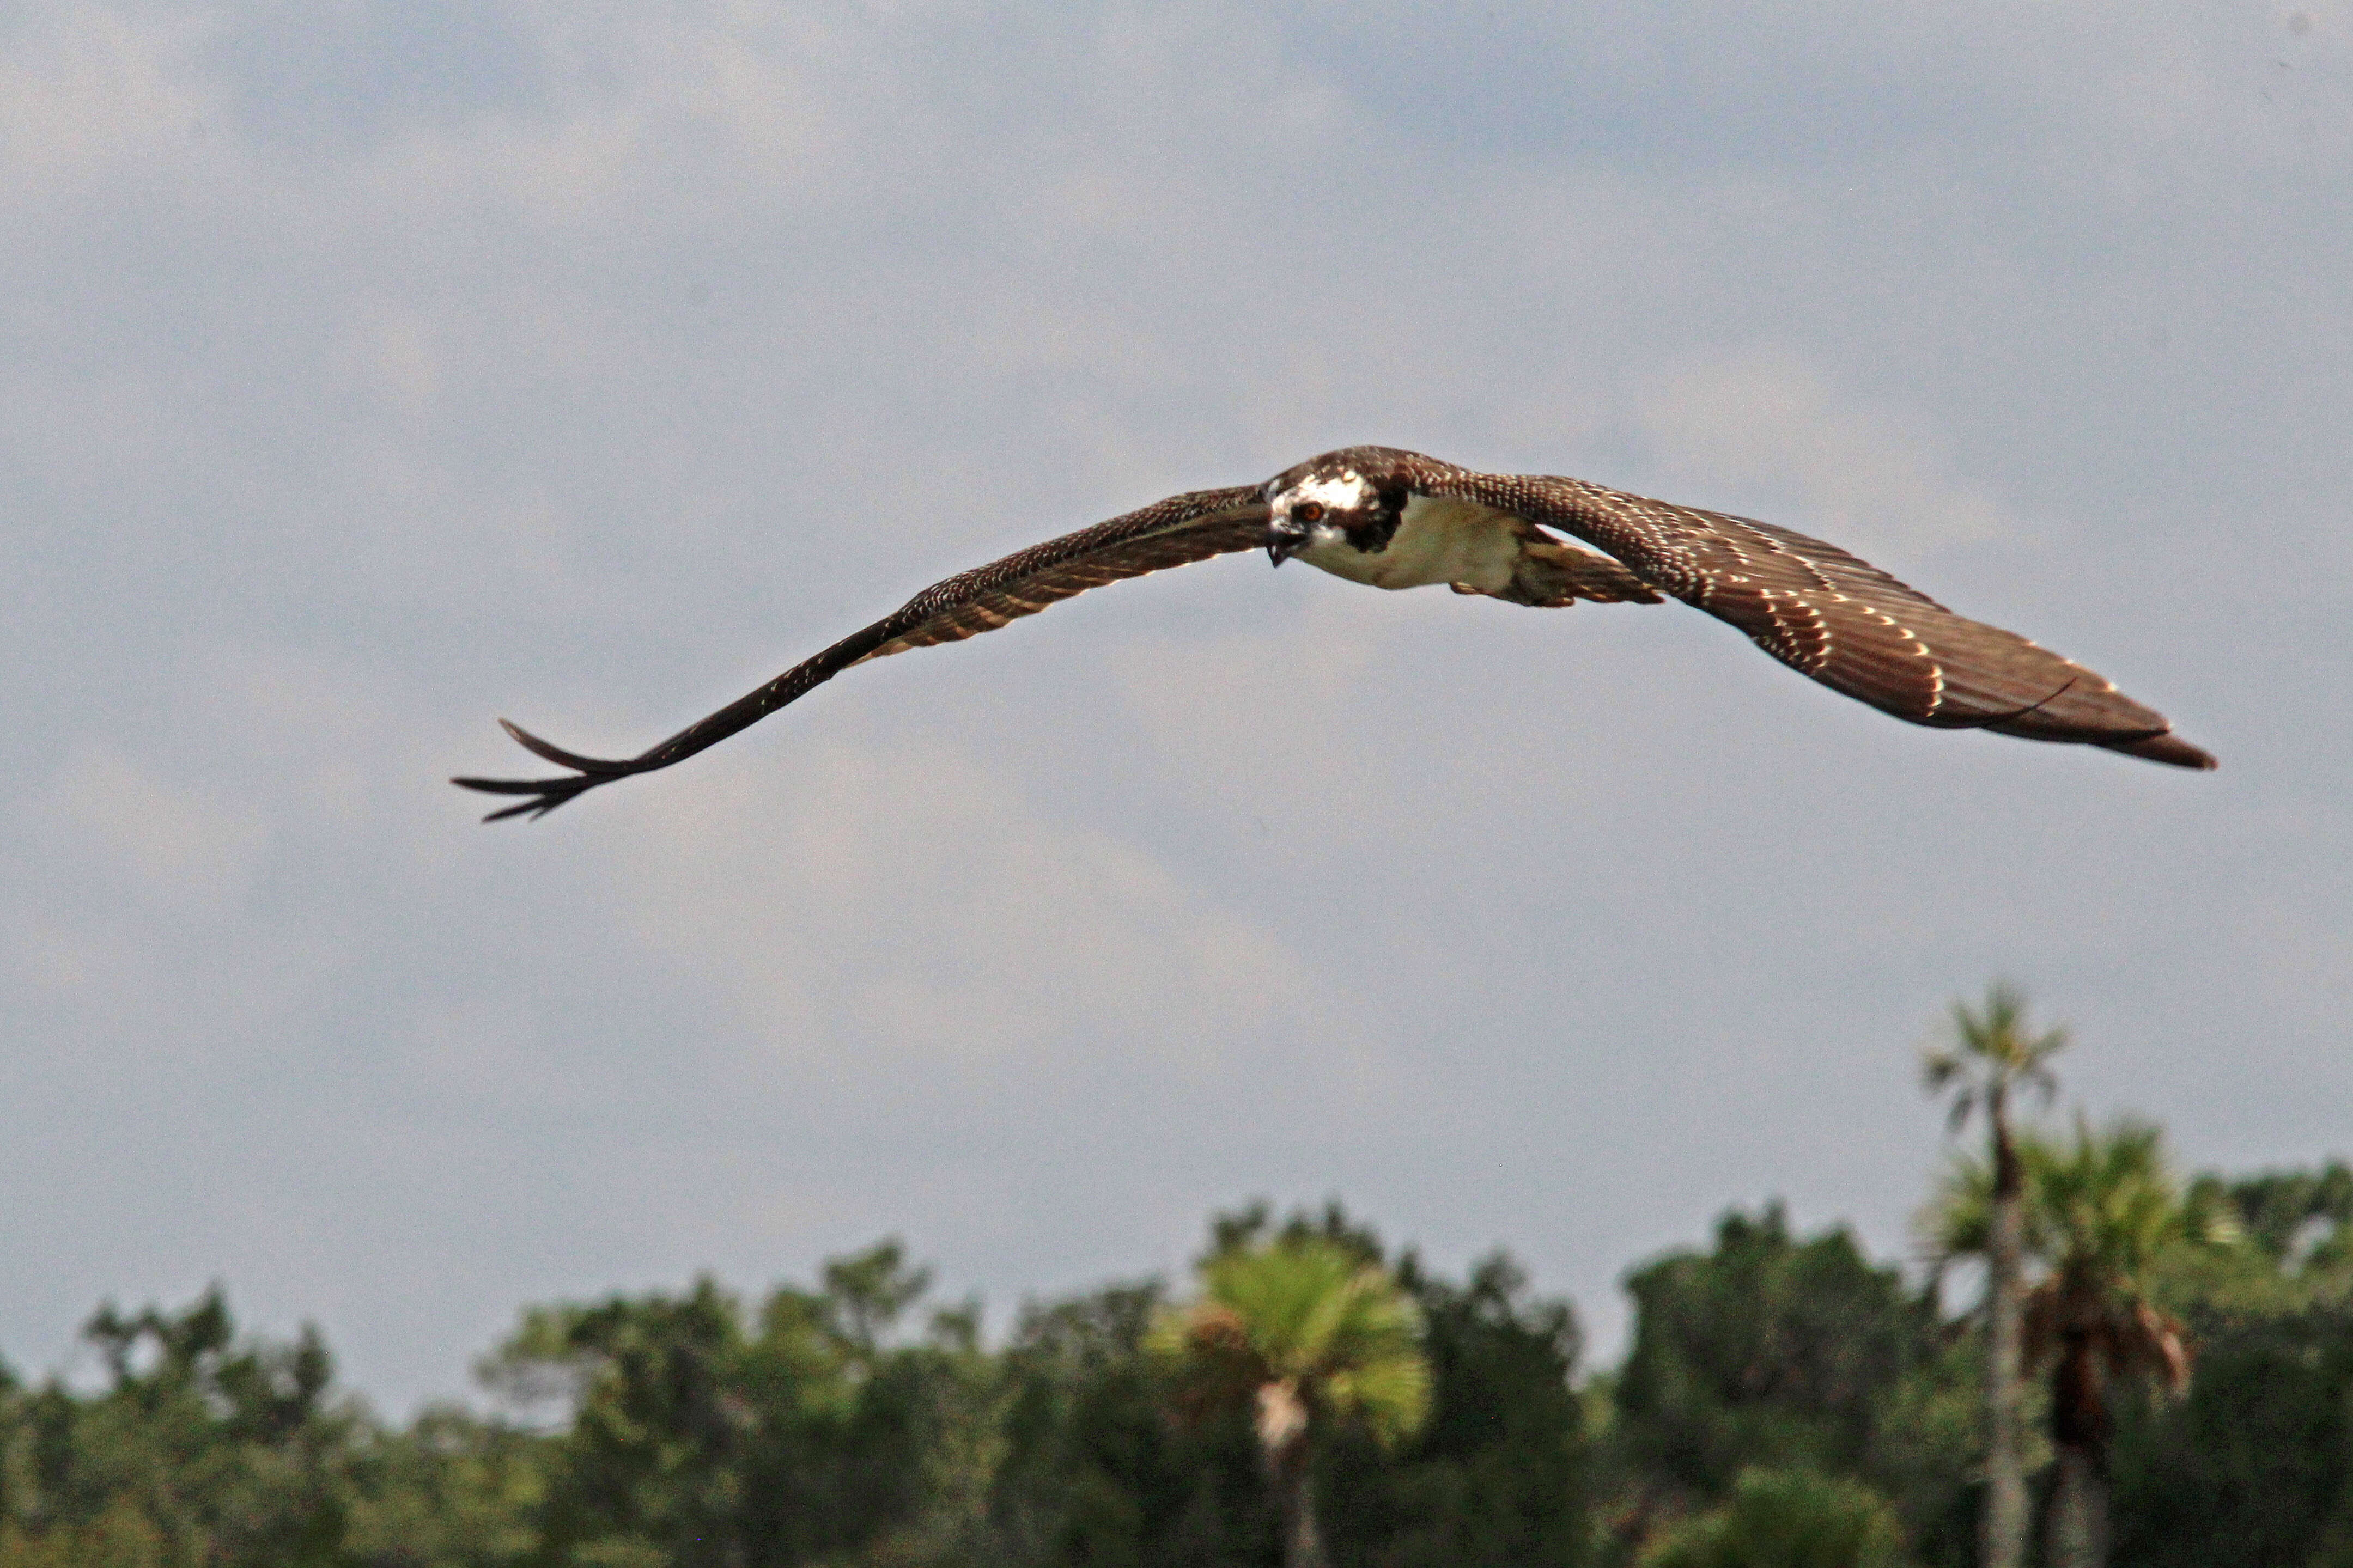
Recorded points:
2103,1211
1991,1056
1305,1332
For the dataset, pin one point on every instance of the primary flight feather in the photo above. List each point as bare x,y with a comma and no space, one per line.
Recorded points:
1393,519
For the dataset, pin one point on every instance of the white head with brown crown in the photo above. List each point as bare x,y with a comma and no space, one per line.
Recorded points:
1354,497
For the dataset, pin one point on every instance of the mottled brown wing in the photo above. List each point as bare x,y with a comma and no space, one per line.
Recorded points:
1174,533
1839,619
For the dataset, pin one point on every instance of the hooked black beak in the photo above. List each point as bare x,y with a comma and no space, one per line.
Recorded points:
1283,539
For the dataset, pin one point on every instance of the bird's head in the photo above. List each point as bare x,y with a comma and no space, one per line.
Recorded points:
1350,497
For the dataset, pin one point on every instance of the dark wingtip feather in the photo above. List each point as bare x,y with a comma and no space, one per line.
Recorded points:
507,786
546,795
2165,748
548,750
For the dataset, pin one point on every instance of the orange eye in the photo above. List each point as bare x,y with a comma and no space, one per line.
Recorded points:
1308,511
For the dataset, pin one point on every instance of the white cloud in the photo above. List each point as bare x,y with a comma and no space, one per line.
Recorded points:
86,91
1766,423
892,908
1268,724
167,845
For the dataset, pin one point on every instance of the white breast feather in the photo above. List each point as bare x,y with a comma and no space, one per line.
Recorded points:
1439,541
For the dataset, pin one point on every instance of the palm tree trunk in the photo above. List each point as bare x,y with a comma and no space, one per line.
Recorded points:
2080,1429
1281,1424
2078,1512
1302,1539
2003,1528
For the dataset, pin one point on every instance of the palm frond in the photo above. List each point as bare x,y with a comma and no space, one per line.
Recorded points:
1310,1315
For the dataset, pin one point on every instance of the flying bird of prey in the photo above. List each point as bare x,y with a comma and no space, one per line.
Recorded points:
1398,519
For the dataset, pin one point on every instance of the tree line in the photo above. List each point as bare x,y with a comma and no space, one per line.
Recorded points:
2174,1386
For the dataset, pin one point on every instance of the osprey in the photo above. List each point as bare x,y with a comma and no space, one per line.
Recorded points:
1398,519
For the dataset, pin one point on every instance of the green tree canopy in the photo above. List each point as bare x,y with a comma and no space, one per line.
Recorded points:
200,1447
1767,1352
1499,1474
697,1436
1786,1401
1787,1519
2255,1465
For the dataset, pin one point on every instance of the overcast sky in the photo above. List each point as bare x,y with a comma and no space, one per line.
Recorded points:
372,370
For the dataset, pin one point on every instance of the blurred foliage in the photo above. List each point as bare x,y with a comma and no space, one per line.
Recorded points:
2297,1232
205,1449
1500,1472
1768,1352
1771,1363
702,1435
1096,1472
1785,1400
1787,1519
2255,1466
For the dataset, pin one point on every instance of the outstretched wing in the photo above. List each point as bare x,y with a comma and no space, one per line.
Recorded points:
1839,619
1174,533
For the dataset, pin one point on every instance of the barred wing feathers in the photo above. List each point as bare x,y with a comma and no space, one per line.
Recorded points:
1173,532
1838,619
